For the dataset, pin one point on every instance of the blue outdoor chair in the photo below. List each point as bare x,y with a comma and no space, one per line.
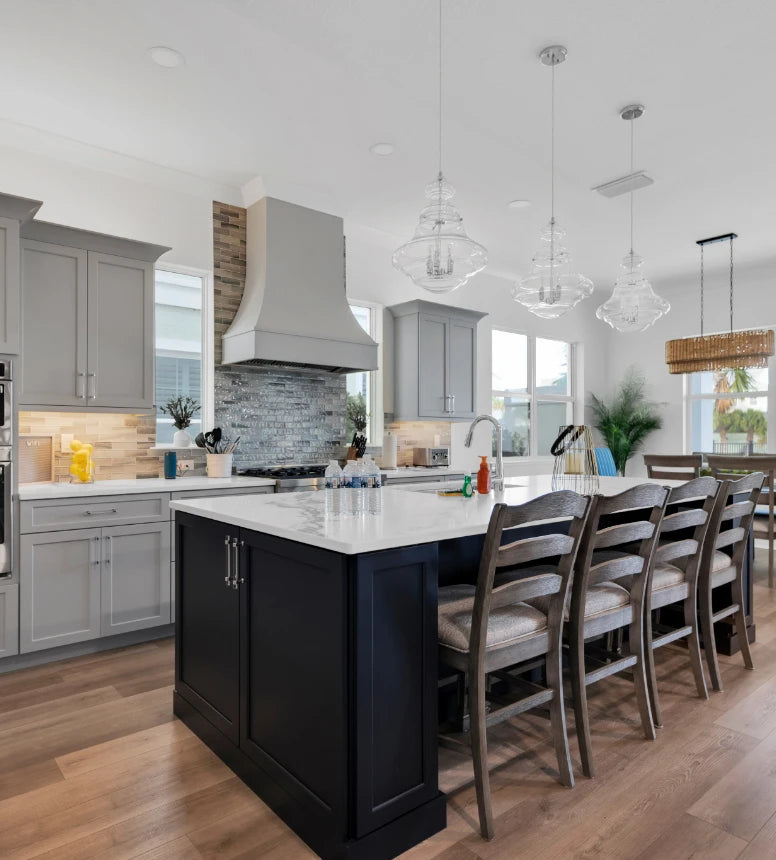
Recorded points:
605,461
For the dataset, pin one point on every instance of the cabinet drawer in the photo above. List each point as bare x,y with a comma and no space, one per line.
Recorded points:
212,494
55,514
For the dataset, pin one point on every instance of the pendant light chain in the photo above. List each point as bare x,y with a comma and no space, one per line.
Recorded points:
632,132
701,290
731,283
440,90
552,181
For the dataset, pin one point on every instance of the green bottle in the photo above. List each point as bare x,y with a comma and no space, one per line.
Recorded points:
467,489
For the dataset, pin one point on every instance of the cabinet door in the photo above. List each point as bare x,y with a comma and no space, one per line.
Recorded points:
463,368
135,590
294,630
9,620
9,286
121,332
433,334
54,320
207,643
60,588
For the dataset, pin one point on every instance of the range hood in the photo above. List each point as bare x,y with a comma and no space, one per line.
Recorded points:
294,312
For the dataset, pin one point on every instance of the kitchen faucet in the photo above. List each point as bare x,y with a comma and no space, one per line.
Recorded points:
498,478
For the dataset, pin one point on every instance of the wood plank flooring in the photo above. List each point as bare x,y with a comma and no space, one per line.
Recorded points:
93,765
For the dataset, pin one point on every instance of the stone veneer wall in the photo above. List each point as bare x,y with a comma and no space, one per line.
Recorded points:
121,442
282,415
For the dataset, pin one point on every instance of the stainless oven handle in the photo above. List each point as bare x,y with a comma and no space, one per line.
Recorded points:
7,514
5,393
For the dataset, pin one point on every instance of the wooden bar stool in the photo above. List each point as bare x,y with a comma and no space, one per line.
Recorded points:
735,506
675,573
488,628
673,467
600,604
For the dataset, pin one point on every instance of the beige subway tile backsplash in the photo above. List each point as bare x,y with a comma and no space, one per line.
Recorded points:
121,442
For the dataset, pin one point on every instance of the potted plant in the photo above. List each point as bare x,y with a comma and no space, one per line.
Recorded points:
357,416
627,419
181,409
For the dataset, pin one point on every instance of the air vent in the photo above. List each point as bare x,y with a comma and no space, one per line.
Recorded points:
625,184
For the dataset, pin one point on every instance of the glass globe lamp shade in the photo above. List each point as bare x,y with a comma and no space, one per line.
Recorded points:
440,257
633,306
552,288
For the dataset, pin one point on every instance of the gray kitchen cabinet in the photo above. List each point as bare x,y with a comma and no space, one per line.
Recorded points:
54,320
135,590
435,362
13,211
120,343
9,620
60,588
87,319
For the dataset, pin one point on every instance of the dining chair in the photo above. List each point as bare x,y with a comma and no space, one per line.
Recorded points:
618,544
722,563
487,628
673,467
675,570
605,463
763,525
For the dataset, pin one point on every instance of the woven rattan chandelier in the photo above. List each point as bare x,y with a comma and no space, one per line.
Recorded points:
748,348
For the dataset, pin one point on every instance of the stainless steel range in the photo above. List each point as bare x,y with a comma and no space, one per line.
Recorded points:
292,478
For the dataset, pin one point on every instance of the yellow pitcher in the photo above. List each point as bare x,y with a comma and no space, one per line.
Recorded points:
82,465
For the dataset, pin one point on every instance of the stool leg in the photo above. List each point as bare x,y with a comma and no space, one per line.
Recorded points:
560,737
640,674
694,644
740,618
649,665
709,645
480,752
579,692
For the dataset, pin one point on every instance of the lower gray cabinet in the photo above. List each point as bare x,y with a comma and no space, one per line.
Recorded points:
60,588
135,590
9,620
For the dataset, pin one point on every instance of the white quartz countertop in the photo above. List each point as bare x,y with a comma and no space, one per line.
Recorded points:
412,514
29,492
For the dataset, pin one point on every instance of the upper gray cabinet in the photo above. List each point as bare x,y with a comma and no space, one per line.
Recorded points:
435,362
87,319
13,212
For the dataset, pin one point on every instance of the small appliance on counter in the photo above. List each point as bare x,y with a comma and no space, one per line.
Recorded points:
430,456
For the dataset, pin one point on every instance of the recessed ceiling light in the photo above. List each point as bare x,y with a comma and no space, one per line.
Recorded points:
381,149
167,58
518,204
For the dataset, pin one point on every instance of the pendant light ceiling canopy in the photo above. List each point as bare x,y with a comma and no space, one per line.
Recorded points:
633,306
553,287
440,257
731,349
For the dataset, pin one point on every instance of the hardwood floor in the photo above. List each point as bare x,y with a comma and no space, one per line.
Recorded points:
93,765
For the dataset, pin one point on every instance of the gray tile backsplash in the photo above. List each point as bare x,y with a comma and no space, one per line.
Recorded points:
282,415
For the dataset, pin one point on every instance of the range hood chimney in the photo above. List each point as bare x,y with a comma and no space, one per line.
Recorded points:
294,311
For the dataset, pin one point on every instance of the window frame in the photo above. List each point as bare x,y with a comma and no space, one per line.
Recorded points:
375,422
689,398
207,370
530,396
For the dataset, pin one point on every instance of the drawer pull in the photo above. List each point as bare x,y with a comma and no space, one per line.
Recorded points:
92,513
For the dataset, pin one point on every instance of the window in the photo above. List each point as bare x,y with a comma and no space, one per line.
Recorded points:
182,346
368,384
728,411
532,390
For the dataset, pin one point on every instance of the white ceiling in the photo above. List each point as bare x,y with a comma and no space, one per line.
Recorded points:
295,91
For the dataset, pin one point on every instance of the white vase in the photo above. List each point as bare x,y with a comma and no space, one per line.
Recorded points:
181,439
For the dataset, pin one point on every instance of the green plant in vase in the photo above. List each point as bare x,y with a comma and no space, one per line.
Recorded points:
626,420
357,419
181,409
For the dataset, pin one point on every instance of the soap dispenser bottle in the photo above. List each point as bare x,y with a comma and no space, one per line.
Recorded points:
483,477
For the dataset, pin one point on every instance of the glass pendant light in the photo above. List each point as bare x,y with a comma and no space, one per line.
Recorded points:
633,306
440,257
553,287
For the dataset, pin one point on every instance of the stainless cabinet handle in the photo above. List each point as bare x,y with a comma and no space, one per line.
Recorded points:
94,557
92,377
109,545
92,513
228,577
452,403
80,386
237,580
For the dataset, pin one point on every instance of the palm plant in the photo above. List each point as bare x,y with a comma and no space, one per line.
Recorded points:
627,419
734,379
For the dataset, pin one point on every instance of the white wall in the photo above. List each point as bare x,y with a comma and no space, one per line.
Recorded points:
175,210
755,306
